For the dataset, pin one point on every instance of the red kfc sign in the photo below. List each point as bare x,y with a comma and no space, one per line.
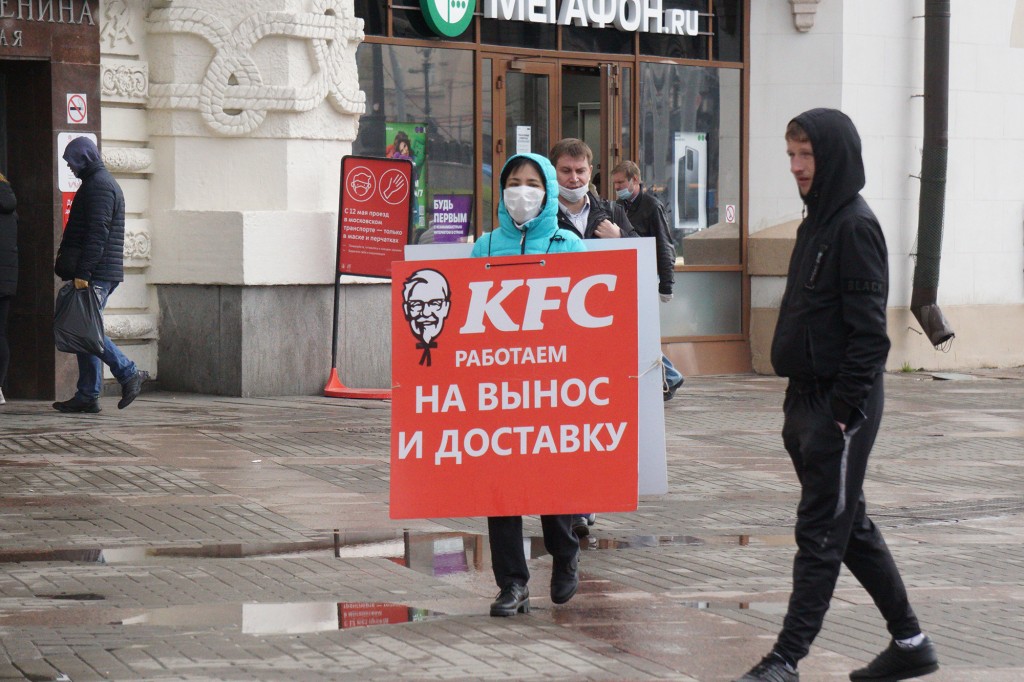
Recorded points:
374,214
510,376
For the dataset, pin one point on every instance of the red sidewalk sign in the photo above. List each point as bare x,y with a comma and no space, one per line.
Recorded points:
374,214
511,376
374,225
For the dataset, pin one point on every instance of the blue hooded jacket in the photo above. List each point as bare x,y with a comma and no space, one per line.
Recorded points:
95,229
540,235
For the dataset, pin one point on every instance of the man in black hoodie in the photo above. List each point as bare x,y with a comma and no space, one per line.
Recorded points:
92,254
831,342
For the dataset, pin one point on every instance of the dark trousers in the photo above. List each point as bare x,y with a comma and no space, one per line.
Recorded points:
5,350
508,558
832,526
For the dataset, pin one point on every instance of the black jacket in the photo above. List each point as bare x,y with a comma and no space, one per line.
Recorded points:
832,323
8,240
96,226
647,216
599,210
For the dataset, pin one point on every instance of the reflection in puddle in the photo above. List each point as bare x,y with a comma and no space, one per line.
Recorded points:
433,554
122,555
279,619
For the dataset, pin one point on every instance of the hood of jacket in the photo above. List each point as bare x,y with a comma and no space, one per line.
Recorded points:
838,166
81,154
546,222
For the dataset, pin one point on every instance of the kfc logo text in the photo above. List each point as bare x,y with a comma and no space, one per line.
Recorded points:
573,296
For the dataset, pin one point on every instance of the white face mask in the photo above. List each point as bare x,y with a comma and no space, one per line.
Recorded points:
573,195
523,203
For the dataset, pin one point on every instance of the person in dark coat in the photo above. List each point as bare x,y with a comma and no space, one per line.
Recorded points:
831,342
92,254
8,270
583,212
647,216
580,210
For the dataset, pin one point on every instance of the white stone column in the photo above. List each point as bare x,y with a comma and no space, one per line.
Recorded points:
130,318
251,107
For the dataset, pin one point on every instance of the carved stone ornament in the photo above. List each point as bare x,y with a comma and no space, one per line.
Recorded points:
128,159
232,98
130,326
122,80
116,29
803,14
136,246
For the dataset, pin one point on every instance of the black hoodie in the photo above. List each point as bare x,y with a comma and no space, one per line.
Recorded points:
832,322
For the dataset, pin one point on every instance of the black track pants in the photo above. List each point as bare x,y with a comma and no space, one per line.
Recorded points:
508,558
832,526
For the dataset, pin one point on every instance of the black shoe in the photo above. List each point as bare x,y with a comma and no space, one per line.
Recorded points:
771,669
565,579
131,389
76,405
669,392
897,663
512,598
580,525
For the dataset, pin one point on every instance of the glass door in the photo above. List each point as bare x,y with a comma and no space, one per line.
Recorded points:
611,125
525,113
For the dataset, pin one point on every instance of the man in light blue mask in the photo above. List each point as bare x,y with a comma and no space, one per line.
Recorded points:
647,215
579,209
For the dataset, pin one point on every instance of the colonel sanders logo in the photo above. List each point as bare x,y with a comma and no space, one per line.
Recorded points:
426,301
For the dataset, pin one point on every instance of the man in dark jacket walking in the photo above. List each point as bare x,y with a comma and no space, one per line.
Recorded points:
94,239
831,342
647,216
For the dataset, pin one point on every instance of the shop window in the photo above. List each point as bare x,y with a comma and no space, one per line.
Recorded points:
728,41
690,156
409,23
606,40
679,47
372,12
420,104
518,34
705,304
487,146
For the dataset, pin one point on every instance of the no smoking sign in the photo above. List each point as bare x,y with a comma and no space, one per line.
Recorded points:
78,109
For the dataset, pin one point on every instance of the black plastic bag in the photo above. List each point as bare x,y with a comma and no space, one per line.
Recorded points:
77,321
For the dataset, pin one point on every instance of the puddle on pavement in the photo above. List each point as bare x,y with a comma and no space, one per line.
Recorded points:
122,555
255,619
434,554
290,618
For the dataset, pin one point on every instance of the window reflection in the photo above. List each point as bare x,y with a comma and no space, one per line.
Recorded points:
427,94
674,46
518,34
690,156
728,40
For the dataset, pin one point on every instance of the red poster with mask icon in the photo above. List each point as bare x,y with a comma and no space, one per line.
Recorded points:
515,386
374,214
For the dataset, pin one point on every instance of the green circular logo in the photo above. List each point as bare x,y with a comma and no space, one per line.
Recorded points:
448,17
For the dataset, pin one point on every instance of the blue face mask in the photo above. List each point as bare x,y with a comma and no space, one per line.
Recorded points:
624,193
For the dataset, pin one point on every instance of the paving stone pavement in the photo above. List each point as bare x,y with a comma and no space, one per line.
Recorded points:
210,538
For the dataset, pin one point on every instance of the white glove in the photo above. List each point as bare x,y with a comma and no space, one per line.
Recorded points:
665,298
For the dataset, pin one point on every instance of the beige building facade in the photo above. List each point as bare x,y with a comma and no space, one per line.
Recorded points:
225,124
